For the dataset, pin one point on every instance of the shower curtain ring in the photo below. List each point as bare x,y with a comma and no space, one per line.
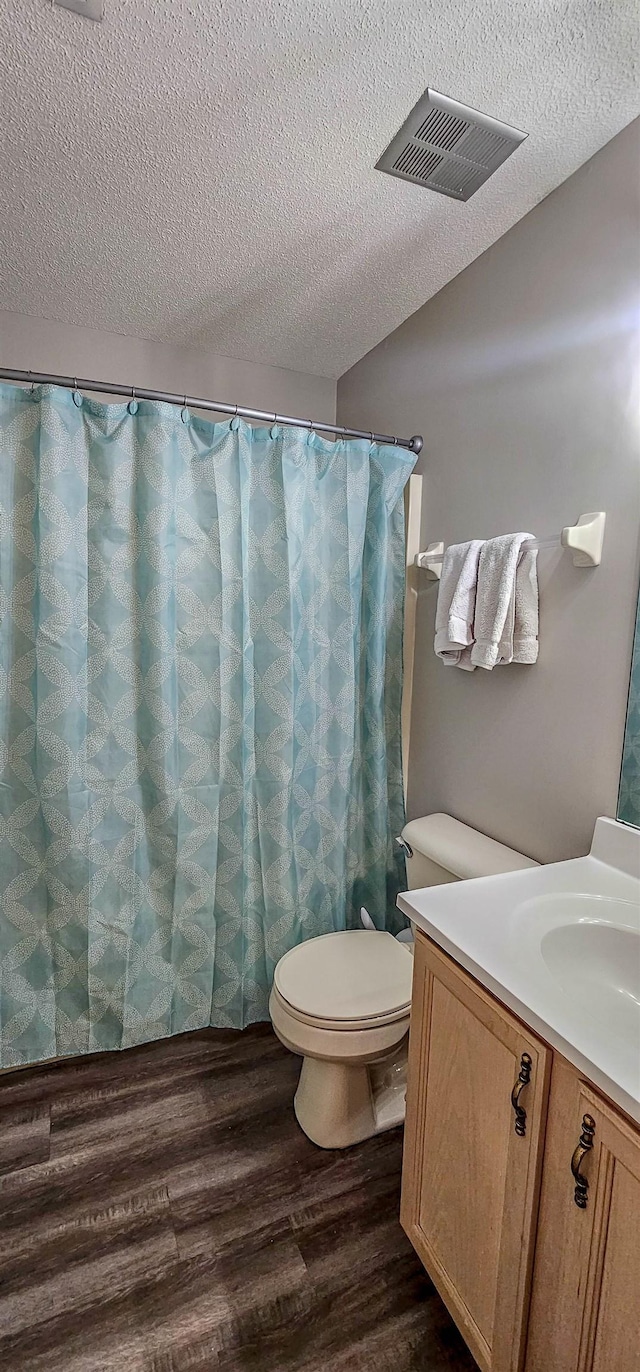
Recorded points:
133,404
184,413
371,437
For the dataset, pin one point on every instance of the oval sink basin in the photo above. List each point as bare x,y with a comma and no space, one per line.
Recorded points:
590,946
602,962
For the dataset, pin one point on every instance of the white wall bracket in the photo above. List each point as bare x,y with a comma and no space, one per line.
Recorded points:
585,539
425,560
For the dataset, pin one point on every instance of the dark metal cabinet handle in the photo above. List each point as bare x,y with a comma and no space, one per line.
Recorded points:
584,1146
523,1079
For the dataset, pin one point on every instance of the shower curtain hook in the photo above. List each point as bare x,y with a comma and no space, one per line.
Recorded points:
33,385
184,413
371,438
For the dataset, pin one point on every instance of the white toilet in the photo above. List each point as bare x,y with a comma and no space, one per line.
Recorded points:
342,1001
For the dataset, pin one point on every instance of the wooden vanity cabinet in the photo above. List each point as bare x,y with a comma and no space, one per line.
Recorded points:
520,1186
472,1161
585,1305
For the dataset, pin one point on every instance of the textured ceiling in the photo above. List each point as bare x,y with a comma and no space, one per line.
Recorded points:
202,173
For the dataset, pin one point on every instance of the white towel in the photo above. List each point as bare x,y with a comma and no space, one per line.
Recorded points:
506,617
525,628
456,604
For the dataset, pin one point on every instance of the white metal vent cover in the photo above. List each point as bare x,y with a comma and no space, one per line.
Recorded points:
448,147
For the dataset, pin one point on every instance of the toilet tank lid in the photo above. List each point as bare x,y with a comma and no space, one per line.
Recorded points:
460,849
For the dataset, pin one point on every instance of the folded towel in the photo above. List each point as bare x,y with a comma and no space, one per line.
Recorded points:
502,594
456,604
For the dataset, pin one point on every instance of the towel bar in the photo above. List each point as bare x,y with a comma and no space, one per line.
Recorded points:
585,540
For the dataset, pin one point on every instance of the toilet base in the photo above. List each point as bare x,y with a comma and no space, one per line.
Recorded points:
338,1104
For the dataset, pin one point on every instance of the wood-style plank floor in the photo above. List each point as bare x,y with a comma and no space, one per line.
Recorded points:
161,1211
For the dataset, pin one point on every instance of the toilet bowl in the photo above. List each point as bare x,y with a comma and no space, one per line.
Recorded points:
342,1001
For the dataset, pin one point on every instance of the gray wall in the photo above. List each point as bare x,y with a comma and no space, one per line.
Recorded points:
42,345
522,376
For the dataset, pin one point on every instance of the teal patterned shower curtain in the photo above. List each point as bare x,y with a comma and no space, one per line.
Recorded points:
200,681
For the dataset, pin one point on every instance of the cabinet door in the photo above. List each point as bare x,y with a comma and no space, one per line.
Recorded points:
585,1309
471,1163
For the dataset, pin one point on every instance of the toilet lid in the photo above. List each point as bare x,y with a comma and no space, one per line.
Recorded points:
350,975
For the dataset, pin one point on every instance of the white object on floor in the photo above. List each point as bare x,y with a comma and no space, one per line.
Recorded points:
342,1001
405,935
456,604
388,1081
495,600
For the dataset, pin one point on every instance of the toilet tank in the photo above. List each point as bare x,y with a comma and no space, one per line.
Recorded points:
439,848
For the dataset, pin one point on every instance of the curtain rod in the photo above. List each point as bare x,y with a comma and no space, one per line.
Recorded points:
75,383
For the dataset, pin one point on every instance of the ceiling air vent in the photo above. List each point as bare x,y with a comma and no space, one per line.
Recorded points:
447,147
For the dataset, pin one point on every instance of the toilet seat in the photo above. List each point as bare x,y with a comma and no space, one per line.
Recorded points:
349,980
340,1026
346,1041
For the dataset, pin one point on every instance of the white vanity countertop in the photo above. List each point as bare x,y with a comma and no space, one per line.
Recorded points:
584,1003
